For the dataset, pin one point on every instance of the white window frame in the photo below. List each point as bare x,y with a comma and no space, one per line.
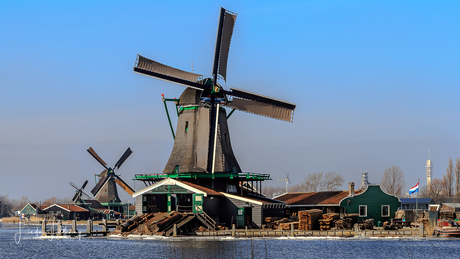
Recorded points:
381,211
365,207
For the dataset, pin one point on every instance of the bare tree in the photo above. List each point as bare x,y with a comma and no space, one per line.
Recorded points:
393,181
332,180
6,206
270,191
437,190
448,179
313,182
457,176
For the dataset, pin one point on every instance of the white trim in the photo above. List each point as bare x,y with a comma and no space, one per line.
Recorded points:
381,211
241,198
359,210
168,181
63,207
367,187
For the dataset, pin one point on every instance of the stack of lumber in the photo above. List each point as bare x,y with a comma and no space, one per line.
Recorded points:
288,225
347,221
308,219
366,224
328,220
423,221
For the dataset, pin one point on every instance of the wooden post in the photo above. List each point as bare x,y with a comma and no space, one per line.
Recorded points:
104,226
421,228
44,228
175,230
59,228
292,230
233,230
74,226
89,227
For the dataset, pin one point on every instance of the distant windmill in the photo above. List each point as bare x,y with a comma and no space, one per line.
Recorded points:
79,192
105,190
286,180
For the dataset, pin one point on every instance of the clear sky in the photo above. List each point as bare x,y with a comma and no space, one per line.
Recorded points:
376,84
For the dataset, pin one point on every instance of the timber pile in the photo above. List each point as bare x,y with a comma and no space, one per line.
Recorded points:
328,220
288,226
308,219
366,224
272,222
346,222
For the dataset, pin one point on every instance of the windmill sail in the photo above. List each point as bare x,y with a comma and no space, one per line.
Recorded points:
262,109
158,70
125,186
261,105
224,37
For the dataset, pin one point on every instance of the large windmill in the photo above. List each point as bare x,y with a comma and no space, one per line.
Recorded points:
202,141
105,190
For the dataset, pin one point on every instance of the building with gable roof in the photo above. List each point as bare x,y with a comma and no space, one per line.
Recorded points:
225,208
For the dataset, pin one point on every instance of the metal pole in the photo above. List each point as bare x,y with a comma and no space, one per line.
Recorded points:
169,118
416,203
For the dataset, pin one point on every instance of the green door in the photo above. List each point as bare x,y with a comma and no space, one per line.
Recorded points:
240,218
197,203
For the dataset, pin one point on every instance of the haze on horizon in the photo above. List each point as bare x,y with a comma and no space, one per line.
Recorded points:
376,84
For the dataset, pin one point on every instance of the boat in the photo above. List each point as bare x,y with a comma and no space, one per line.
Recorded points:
447,229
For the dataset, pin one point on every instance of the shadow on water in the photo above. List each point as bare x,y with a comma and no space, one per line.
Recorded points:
221,247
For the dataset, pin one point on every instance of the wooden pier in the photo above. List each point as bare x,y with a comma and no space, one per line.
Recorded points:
54,228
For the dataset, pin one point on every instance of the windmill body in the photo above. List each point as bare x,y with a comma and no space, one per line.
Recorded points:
190,150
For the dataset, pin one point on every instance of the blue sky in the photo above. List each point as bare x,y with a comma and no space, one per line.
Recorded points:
376,84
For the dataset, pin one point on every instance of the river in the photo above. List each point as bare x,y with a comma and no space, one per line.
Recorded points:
26,242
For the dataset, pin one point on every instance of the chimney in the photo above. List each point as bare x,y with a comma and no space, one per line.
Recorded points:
351,188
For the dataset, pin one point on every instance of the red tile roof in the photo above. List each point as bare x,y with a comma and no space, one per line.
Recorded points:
201,188
69,207
313,198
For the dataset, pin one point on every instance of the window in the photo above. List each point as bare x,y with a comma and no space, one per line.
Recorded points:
385,210
362,210
186,126
176,169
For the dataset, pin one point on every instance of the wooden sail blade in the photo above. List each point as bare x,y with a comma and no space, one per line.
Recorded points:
161,71
124,185
262,109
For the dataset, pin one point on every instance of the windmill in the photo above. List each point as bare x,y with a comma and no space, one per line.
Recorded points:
79,192
202,141
105,190
286,180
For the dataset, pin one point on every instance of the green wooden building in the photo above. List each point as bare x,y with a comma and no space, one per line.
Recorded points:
31,209
372,203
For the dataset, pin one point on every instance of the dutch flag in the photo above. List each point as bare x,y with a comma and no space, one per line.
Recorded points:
414,189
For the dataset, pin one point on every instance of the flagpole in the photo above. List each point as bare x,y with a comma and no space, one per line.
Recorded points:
416,203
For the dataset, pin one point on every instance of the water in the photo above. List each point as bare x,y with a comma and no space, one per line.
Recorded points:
27,243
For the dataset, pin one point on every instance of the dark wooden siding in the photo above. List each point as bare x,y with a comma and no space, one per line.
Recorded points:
232,206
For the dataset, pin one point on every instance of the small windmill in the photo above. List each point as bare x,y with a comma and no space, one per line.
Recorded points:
105,190
286,180
202,143
79,192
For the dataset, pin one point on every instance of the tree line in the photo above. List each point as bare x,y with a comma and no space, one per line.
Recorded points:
314,182
446,187
9,205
